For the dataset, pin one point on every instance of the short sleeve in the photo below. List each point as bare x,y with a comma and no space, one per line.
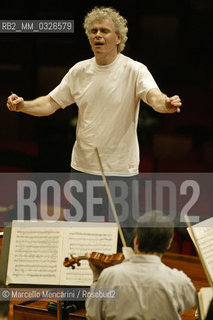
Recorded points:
145,82
62,93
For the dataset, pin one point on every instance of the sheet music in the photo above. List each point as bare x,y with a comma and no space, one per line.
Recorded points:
88,237
38,248
204,237
34,256
205,296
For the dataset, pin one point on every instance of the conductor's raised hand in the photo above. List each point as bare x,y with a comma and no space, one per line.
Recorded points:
14,102
173,104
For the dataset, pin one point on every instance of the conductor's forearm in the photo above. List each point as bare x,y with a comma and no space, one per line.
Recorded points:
40,107
160,102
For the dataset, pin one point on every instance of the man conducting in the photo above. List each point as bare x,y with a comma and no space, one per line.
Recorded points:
107,90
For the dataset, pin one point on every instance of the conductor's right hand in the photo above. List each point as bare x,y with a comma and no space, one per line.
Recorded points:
15,103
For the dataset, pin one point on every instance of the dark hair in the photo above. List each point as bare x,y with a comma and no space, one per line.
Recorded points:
4,305
154,232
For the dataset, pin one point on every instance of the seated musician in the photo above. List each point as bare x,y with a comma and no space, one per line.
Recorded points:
144,287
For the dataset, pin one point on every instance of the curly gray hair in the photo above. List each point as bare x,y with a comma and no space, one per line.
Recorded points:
120,23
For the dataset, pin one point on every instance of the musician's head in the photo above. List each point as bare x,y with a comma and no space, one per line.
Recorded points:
153,234
4,305
113,28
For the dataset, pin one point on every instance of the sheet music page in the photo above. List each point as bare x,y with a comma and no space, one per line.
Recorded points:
203,232
35,253
85,237
205,297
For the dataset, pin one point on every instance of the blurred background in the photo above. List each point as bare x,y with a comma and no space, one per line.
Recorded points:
173,38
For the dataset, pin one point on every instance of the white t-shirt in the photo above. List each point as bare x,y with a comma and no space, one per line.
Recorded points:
108,99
